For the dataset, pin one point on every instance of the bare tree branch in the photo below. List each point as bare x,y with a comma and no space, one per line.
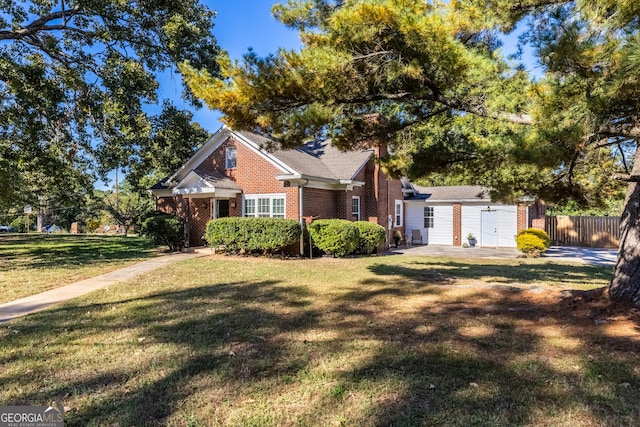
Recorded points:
625,177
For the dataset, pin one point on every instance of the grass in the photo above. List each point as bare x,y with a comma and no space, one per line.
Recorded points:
35,263
380,341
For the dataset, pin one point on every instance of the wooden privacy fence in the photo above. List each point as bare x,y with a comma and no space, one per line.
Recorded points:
585,231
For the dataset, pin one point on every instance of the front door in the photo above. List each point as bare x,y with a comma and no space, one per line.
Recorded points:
489,229
223,208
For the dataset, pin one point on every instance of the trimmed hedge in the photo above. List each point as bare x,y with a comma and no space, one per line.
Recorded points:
533,242
337,237
252,235
371,236
165,229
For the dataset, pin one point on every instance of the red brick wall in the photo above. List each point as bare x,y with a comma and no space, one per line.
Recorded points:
253,174
457,224
537,214
199,210
166,204
522,217
319,203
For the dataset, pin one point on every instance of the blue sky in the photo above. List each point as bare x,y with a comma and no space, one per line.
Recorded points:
239,25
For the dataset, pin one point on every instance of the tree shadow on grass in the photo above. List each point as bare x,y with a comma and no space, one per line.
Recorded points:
46,251
224,331
511,363
414,354
526,273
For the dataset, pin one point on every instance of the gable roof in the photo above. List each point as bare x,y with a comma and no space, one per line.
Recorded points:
453,193
198,183
317,159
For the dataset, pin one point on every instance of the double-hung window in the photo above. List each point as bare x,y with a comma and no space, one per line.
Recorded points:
355,207
428,217
264,205
250,207
230,157
398,213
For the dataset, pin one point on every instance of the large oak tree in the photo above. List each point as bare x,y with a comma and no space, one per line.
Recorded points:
454,104
75,76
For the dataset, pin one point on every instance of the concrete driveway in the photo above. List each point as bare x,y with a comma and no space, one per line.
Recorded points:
592,256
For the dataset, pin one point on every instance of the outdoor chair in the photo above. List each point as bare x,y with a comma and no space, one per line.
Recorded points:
416,237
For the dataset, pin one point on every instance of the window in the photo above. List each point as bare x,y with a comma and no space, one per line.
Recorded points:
230,157
264,206
355,207
250,207
428,217
277,208
398,213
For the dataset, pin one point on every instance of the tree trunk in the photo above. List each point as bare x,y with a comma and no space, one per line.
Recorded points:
625,285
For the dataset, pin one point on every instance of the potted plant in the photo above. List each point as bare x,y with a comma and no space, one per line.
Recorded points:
472,240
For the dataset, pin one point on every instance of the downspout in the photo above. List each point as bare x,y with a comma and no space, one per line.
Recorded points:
390,224
300,213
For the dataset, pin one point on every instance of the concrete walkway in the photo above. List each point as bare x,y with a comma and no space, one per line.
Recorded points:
38,302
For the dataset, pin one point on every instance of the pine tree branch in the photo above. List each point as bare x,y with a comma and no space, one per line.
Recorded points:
483,111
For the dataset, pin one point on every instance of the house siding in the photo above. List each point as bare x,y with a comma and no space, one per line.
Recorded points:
442,231
506,224
452,223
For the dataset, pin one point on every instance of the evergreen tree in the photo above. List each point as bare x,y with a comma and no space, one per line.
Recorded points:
453,104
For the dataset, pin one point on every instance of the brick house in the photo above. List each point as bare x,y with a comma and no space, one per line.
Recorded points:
234,175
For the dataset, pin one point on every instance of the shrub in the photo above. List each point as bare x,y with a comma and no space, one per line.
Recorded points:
540,233
165,229
264,235
92,225
533,242
19,224
337,237
371,236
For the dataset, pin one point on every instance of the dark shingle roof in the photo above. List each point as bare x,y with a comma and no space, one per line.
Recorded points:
317,158
452,193
161,185
219,181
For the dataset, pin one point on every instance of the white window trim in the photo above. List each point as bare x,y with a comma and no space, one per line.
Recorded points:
226,158
399,213
358,213
432,216
270,197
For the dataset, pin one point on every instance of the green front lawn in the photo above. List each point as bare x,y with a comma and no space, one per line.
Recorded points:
379,341
33,263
